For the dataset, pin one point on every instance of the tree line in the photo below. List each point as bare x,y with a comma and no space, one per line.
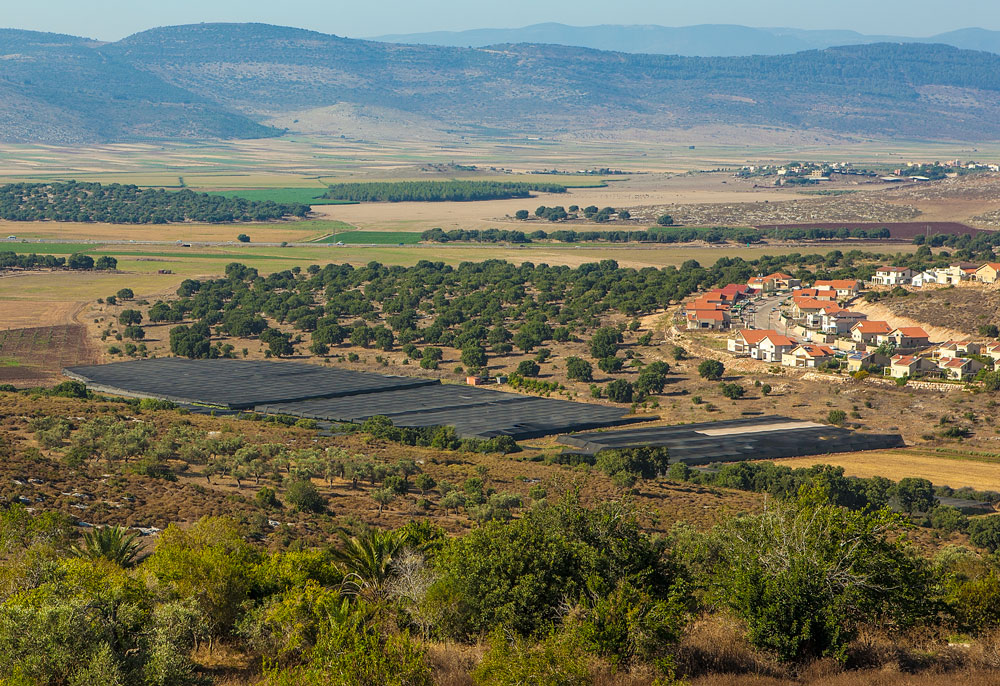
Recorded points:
719,234
438,191
79,261
115,203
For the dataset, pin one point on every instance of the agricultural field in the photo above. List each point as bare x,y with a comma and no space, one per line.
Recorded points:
952,466
34,356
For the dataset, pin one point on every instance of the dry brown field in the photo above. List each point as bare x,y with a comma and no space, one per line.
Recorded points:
948,468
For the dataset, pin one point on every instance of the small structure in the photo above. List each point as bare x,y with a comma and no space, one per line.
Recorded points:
859,361
892,276
773,347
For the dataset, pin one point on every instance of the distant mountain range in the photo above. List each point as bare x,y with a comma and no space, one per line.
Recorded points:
238,80
704,40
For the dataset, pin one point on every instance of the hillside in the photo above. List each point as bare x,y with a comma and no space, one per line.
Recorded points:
704,40
62,89
224,80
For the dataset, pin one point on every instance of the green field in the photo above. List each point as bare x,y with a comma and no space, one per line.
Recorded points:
305,196
372,238
50,248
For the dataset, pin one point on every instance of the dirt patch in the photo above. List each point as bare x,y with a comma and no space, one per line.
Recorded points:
18,314
36,356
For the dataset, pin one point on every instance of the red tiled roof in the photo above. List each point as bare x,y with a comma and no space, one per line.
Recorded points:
754,336
911,331
779,341
837,283
872,326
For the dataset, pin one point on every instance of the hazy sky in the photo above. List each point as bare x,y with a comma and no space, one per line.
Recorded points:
113,19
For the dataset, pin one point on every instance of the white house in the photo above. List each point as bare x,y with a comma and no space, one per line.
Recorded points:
892,276
773,347
807,355
841,322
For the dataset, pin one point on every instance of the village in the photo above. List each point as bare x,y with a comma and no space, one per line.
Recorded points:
780,321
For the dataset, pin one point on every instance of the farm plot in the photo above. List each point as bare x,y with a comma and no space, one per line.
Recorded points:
33,356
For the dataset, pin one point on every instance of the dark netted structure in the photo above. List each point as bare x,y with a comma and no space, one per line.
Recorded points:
752,438
331,394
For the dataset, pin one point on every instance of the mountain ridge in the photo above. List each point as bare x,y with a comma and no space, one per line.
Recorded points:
700,40
230,80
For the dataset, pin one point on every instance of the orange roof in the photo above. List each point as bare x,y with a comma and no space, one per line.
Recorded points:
994,265
778,341
813,293
779,275
872,326
810,303
753,336
957,362
714,315
904,360
837,283
816,350
911,331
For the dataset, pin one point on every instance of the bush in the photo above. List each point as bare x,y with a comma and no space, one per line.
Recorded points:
711,370
305,497
610,365
619,391
647,462
516,662
579,370
985,532
733,391
528,368
836,417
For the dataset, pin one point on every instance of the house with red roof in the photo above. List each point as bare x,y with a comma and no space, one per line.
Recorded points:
807,355
746,339
844,288
778,281
715,320
773,347
988,273
908,337
909,365
959,368
868,331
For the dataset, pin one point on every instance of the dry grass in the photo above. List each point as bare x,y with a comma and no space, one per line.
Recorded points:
942,470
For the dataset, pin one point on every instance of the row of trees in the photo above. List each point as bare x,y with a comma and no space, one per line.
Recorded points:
654,235
438,191
73,201
79,261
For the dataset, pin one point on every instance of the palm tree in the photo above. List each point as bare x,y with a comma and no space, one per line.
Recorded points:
112,543
368,561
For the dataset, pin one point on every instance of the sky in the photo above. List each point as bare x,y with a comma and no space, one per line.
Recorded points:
114,19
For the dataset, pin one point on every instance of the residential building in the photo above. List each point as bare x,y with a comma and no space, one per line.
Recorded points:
892,276
778,281
840,322
868,331
865,360
959,368
924,278
807,355
909,337
989,272
745,340
773,347
908,365
814,293
716,320
992,351
956,349
844,288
